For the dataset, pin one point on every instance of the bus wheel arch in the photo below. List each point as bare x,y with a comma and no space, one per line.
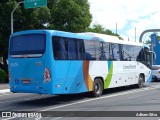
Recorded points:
98,86
141,80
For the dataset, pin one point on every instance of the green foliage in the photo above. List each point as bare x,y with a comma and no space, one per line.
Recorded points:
158,38
97,28
148,42
70,15
66,15
3,76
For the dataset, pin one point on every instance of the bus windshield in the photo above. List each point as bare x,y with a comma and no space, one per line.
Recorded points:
32,45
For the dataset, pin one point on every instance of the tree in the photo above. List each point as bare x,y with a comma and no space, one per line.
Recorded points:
148,42
70,15
66,15
97,28
158,37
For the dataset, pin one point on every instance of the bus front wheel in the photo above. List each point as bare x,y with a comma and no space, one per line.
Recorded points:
97,87
141,81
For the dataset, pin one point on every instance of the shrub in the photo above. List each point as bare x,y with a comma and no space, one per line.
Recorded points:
3,76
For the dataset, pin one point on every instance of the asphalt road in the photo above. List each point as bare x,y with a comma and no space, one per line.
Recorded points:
4,86
115,100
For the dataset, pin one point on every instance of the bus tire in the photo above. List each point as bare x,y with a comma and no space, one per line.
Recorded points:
97,87
141,81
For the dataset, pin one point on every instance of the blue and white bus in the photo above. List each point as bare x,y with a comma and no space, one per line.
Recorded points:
57,62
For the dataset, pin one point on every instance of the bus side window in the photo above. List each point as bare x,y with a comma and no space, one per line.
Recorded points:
92,49
102,55
128,52
72,55
80,49
59,48
62,50
106,51
121,52
56,47
115,51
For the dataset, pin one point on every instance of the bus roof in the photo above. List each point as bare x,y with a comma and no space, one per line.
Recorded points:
86,35
56,33
112,39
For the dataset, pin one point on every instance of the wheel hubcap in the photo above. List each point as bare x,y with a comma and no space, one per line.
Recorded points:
97,88
141,82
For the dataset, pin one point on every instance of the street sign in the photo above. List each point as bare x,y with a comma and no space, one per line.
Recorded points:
34,3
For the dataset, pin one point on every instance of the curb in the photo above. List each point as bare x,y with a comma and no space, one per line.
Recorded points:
5,91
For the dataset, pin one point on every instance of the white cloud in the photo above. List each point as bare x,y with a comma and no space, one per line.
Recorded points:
128,14
151,22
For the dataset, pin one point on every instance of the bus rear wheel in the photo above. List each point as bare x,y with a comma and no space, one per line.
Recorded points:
97,87
141,81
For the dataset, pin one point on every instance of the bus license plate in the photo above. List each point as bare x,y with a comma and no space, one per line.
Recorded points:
26,82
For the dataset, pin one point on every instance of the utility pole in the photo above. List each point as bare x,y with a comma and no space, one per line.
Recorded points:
12,15
116,27
135,34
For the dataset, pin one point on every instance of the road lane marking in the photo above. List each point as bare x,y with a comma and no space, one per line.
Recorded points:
103,97
137,96
7,108
5,91
57,118
62,117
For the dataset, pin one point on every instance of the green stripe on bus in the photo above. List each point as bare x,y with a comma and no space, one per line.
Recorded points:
109,76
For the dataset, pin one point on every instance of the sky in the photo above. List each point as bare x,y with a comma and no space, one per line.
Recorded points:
128,14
